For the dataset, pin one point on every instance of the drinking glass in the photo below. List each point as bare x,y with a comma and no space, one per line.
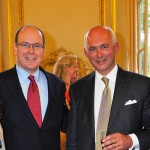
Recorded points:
99,136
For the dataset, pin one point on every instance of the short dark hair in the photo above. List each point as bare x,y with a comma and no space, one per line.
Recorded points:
17,33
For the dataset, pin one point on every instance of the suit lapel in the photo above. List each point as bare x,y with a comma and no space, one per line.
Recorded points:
17,94
88,101
50,97
121,89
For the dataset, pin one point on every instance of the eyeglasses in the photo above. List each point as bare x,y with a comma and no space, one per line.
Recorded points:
26,45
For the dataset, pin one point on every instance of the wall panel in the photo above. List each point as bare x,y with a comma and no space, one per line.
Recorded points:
63,22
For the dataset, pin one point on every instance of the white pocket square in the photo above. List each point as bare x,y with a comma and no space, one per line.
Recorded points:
130,102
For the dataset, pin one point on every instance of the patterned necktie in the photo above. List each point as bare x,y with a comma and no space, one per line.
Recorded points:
104,114
33,100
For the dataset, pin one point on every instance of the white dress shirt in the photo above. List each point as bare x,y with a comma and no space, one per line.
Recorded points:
99,87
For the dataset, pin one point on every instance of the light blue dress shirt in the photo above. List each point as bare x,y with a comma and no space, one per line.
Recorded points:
41,81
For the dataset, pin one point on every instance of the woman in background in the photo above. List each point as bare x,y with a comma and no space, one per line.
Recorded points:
66,68
2,145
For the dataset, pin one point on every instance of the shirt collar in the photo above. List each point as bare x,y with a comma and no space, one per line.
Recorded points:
23,75
111,76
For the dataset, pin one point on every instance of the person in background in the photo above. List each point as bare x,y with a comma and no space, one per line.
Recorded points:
128,126
35,109
66,68
2,143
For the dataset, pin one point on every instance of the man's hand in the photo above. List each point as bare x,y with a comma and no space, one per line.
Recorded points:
117,141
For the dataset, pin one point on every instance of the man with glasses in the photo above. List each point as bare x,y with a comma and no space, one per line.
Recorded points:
34,99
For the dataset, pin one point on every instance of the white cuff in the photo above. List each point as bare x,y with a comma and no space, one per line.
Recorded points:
136,145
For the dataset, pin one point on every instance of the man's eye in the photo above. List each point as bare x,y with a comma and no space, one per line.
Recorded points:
104,47
92,48
25,44
37,46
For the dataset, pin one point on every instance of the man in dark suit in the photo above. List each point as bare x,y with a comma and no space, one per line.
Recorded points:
21,130
129,121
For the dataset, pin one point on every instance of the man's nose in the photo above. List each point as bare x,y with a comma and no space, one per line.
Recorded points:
31,48
99,52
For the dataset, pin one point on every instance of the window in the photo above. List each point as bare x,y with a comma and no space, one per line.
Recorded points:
143,19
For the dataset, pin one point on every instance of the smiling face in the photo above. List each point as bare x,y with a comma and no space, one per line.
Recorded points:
29,58
101,49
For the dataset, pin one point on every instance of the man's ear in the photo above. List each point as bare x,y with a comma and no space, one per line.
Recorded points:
86,53
116,47
44,49
15,49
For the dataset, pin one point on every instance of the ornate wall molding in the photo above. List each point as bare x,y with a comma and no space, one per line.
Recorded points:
48,64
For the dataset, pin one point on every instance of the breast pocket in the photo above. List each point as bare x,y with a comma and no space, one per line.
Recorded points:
130,106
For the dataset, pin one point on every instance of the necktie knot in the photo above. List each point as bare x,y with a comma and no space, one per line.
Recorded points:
32,83
105,80
31,78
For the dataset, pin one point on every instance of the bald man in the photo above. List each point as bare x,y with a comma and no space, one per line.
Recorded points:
129,121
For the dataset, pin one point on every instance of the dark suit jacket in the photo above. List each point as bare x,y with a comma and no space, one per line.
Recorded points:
123,118
21,131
